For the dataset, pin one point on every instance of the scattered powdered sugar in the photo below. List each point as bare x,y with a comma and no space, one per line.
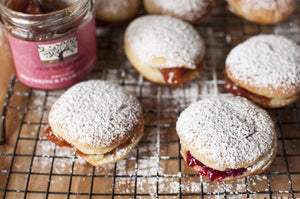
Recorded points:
183,8
266,60
290,28
213,188
45,148
124,185
235,187
191,187
173,41
96,113
62,165
169,185
125,168
105,169
267,4
147,185
148,167
224,129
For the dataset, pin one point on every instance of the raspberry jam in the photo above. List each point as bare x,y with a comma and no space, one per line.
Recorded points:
236,90
28,7
60,141
173,76
31,7
212,174
56,140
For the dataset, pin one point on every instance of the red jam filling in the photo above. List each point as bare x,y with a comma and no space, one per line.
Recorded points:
59,141
236,90
212,174
173,76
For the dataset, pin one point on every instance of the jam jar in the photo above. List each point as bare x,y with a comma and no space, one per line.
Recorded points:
52,49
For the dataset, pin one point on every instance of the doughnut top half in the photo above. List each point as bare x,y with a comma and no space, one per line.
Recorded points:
267,62
186,8
112,6
165,42
95,113
266,4
226,132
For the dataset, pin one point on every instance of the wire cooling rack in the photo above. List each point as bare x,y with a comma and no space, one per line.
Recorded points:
32,167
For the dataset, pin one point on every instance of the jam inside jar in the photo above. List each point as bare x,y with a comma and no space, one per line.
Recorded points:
52,49
38,6
27,7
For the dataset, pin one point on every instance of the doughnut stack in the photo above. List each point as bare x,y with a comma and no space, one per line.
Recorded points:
223,138
266,70
111,13
263,11
165,50
99,120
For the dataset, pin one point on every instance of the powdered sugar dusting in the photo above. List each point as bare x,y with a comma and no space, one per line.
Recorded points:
267,4
225,128
183,8
176,42
96,112
266,60
290,28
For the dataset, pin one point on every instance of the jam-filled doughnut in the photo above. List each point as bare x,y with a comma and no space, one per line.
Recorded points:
226,137
263,11
193,11
115,12
266,70
101,121
165,50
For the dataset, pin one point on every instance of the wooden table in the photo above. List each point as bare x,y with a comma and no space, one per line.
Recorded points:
6,69
32,167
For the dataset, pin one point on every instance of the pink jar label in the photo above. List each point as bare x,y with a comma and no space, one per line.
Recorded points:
58,63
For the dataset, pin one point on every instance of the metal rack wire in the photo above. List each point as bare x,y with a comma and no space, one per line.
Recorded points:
32,167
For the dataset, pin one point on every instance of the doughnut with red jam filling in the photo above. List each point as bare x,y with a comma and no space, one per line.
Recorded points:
165,50
265,69
263,11
111,13
98,120
226,137
211,173
192,11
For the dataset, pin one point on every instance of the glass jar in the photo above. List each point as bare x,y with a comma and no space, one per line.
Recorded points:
52,50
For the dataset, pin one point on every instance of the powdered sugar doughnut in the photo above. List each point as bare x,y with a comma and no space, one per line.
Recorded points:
267,68
193,11
263,11
115,12
226,137
164,49
102,121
